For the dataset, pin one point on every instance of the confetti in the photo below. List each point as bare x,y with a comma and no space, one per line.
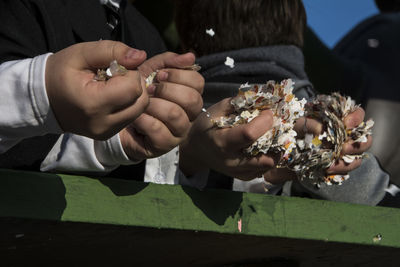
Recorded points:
115,69
150,79
311,155
240,225
210,32
377,238
373,43
230,62
311,160
286,110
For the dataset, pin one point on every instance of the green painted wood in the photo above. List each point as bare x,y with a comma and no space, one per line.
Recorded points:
68,198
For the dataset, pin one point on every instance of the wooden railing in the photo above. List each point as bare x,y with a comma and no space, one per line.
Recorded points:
65,220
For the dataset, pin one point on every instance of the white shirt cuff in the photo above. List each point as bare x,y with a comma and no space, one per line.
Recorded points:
38,95
111,152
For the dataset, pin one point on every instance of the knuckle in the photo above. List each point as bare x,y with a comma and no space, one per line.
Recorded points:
155,126
194,104
113,48
249,134
199,81
175,113
169,54
137,89
265,163
90,109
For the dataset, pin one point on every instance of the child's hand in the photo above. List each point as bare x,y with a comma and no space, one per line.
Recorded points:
97,109
175,101
221,149
276,175
350,147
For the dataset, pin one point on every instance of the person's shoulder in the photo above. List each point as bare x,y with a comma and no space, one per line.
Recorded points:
145,36
380,24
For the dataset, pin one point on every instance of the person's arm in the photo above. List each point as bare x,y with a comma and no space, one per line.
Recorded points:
56,93
208,147
82,155
24,107
175,101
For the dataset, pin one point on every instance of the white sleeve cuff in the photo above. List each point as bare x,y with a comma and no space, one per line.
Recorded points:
79,154
24,106
111,152
38,95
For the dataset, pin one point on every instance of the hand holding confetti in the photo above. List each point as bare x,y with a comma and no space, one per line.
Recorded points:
310,156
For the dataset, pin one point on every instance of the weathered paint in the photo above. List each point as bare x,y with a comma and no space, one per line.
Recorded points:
119,202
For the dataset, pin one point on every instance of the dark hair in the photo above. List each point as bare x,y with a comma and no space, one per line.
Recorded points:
238,24
388,5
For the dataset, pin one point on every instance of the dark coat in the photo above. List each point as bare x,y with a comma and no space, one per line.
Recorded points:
33,27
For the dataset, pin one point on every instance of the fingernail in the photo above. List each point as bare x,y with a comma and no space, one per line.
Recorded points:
162,75
133,53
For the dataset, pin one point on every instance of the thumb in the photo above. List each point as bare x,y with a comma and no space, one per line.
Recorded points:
99,54
355,118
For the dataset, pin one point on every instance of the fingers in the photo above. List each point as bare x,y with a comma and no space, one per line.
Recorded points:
258,165
128,114
355,148
279,175
163,127
171,115
158,138
354,119
186,97
99,54
342,167
119,92
188,78
166,60
244,135
307,125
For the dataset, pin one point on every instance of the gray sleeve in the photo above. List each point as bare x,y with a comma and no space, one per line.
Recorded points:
366,185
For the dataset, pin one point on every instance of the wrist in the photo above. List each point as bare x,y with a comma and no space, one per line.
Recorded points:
189,163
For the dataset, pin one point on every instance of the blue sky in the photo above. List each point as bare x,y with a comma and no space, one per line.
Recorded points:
332,19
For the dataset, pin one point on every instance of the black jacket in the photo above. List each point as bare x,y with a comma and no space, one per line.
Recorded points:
33,27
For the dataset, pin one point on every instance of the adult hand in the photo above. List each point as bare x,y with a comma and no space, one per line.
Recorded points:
208,147
96,109
175,101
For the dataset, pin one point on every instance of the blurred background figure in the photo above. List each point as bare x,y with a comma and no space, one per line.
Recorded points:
364,65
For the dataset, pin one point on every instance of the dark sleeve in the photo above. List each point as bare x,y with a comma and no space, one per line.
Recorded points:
21,35
141,34
375,45
330,72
